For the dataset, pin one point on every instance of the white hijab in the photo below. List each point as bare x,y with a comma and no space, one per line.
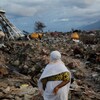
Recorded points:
55,55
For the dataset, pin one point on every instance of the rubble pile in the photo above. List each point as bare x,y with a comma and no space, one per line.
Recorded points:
22,62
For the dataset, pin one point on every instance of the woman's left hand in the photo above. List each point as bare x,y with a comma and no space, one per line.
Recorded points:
55,90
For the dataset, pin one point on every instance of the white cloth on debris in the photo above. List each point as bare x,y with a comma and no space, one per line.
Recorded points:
50,70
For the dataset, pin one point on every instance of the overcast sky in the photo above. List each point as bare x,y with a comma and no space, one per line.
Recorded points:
57,15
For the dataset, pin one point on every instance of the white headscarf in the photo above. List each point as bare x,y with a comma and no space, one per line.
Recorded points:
55,67
55,55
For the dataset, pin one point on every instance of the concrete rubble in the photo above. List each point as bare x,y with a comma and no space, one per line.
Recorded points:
22,62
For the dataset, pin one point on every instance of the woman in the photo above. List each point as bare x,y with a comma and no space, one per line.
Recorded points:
54,82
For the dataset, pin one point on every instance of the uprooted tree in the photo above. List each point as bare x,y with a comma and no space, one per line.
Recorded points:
39,26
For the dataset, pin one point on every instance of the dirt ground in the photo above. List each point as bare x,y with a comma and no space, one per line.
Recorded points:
22,62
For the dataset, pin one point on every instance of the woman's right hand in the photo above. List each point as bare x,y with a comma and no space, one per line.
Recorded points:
55,90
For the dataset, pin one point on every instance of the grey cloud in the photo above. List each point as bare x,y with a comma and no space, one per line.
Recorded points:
23,7
52,12
39,6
